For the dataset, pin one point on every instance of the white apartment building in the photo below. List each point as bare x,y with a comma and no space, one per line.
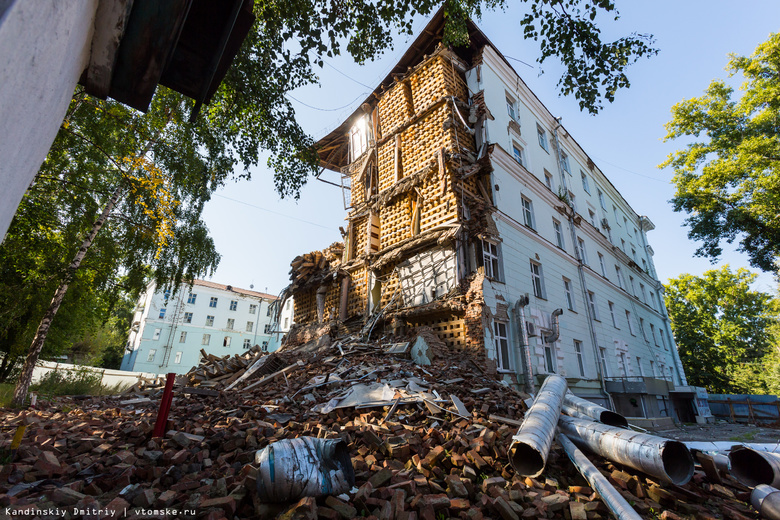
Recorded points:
169,330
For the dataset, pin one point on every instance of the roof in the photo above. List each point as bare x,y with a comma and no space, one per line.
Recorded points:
237,290
333,148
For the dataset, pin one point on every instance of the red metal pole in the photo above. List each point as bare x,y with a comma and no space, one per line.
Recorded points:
165,406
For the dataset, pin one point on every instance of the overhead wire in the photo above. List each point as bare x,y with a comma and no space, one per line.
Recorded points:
272,211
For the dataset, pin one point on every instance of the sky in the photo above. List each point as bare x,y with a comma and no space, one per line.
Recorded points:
258,234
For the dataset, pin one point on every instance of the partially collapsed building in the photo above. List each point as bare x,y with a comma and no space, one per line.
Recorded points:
472,211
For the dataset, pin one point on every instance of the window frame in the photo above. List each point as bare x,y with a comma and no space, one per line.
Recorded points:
560,239
231,324
209,320
206,339
492,261
630,325
537,280
177,358
580,359
252,308
585,182
528,212
611,306
192,298
233,305
151,355
183,337
187,317
542,137
569,294
564,160
501,343
213,302
250,326
593,307
602,265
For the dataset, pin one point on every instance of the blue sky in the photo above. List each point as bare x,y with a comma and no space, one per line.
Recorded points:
258,234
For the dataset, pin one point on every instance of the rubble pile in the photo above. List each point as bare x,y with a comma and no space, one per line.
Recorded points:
427,441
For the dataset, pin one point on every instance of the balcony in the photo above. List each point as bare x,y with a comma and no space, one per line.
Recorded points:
638,385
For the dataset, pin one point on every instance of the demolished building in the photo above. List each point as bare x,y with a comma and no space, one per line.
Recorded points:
473,212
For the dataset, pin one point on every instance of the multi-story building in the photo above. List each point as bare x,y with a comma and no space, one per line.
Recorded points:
473,211
169,330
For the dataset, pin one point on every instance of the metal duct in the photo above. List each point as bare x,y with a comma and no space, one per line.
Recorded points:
752,467
531,444
584,409
552,338
609,495
662,458
766,500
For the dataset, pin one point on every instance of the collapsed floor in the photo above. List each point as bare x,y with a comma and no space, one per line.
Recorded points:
426,442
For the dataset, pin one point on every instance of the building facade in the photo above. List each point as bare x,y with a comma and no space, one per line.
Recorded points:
169,330
474,212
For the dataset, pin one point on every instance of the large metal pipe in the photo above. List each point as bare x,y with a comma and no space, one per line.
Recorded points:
662,458
753,467
766,500
531,444
609,495
584,409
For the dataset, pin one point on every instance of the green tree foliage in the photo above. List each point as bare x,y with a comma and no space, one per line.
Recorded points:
728,177
723,329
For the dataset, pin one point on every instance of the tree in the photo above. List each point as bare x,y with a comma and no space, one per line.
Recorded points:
729,180
723,329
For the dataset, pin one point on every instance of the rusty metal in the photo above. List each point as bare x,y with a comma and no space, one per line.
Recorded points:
291,469
665,459
531,444
584,409
754,467
609,495
766,500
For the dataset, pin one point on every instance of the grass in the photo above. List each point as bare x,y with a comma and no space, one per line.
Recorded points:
747,436
57,383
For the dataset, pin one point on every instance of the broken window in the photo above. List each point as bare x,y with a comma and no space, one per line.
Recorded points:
183,337
162,314
226,341
209,321
191,298
491,259
252,308
156,334
359,136
230,323
150,357
206,339
187,317
373,229
502,345
233,305
250,325
177,359
267,328
247,344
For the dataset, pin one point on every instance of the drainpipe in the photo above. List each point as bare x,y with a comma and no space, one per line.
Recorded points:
552,338
518,311
580,270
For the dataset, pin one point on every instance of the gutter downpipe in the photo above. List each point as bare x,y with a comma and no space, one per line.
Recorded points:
518,310
668,460
609,495
531,444
580,270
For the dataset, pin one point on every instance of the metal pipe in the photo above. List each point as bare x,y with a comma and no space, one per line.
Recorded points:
665,459
552,338
752,467
525,349
728,445
531,444
766,500
609,495
584,409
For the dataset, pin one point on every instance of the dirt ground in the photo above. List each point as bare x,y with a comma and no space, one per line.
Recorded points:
722,431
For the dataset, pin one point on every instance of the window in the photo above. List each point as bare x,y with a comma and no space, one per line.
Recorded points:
528,212
633,287
183,337
592,217
578,351
213,301
639,366
548,180
167,295
267,328
583,251
559,241
247,344
602,265
268,310
517,152
226,341
565,163
177,359
633,254
250,325
662,333
502,345
642,292
623,364
644,265
191,298
625,223
156,334
286,322
585,183
619,276
162,314
573,201
187,317
593,309
569,294
635,232
615,212
252,308
549,359
287,305
542,138
652,299
604,365
491,260
233,305
230,323
264,346
358,137
630,325
653,370
510,108
206,339
652,333
537,280
612,314
623,245
152,353
642,328
601,199
209,321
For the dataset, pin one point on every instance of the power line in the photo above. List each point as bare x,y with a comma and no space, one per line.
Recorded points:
274,212
326,109
601,160
521,61
348,77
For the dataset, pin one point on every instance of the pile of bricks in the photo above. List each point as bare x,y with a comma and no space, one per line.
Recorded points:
417,461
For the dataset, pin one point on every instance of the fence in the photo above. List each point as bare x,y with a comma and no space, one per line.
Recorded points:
109,377
745,407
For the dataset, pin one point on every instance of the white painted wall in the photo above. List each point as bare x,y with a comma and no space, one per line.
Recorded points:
44,47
